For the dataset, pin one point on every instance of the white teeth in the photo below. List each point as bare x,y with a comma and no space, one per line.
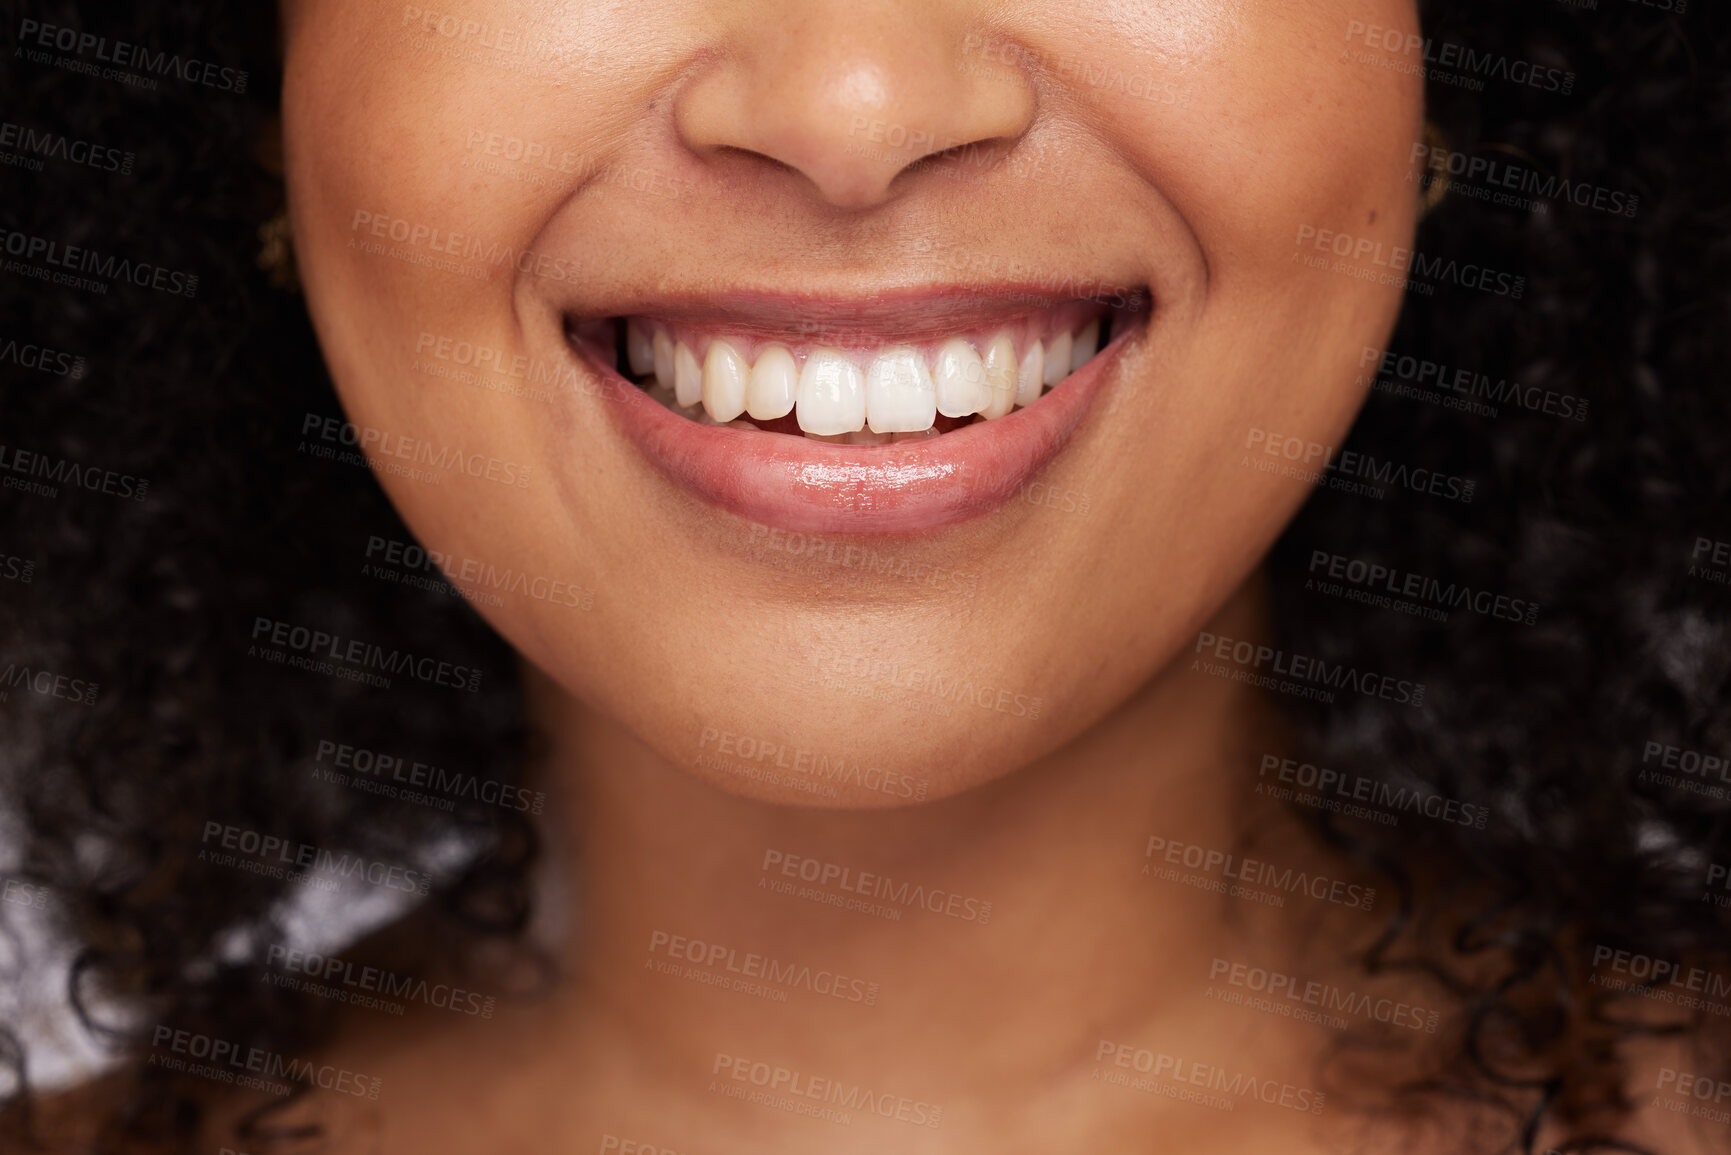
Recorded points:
1057,360
662,356
1000,366
639,349
1086,342
687,376
960,376
1028,376
897,398
831,394
899,394
773,386
724,374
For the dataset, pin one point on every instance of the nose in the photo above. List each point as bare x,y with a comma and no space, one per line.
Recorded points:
849,93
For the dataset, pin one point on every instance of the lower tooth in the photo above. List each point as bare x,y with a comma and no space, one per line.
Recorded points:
920,436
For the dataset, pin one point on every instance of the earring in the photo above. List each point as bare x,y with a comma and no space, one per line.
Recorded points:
276,252
1436,160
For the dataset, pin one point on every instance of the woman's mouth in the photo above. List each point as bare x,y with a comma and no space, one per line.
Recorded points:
864,425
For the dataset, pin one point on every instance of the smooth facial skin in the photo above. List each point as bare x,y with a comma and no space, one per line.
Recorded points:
993,697
1181,147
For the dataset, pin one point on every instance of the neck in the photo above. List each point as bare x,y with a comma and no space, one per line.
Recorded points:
953,953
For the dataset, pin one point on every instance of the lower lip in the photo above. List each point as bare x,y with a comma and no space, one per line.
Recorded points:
814,487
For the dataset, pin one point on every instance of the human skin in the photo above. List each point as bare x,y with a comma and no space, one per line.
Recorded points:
1240,132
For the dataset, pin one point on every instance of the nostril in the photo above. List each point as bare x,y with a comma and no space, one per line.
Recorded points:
849,97
734,151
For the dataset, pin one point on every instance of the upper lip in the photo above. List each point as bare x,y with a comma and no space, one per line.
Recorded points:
908,313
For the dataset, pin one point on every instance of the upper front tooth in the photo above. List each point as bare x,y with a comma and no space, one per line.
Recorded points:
662,354
1028,376
639,349
899,394
831,394
1057,360
724,373
773,385
960,377
1086,342
687,376
1000,366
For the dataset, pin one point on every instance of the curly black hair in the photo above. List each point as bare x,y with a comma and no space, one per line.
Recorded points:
158,504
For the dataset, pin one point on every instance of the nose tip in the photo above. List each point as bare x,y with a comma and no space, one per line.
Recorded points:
848,99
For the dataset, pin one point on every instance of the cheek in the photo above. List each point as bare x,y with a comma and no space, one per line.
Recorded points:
409,254
1269,140
1290,160
426,156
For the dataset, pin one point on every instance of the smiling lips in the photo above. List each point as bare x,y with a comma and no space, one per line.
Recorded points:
901,433
862,396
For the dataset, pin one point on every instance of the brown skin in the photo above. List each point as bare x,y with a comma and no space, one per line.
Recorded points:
1239,127
1247,129
1219,129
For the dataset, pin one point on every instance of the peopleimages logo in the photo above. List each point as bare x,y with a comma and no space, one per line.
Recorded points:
1294,992
878,886
1256,872
1426,272
227,1060
783,1083
80,259
1649,975
1250,658
329,969
282,856
61,471
48,684
1239,1085
782,976
1457,63
41,358
1349,471
1376,580
124,54
364,765
356,653
1404,375
1336,786
384,444
1460,167
58,146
